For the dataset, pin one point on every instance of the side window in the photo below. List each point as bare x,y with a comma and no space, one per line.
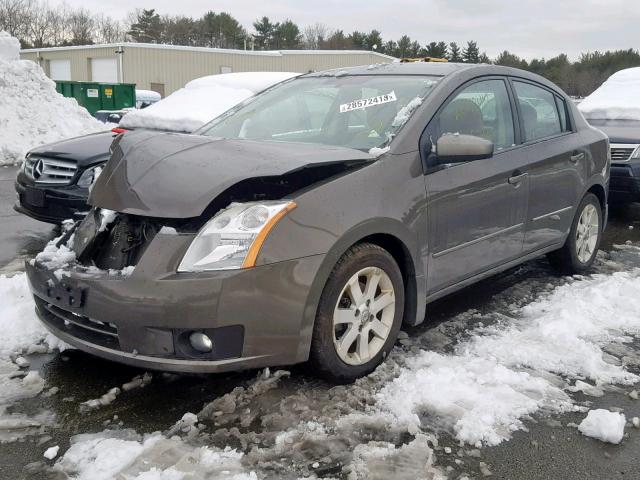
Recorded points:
482,109
539,111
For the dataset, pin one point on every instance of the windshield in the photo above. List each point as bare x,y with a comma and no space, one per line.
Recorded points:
361,112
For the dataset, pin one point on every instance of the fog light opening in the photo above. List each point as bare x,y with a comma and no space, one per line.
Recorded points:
201,342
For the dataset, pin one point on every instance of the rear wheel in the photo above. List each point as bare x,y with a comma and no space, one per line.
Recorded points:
359,314
580,249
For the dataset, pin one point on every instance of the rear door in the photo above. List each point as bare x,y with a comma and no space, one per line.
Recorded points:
556,166
476,209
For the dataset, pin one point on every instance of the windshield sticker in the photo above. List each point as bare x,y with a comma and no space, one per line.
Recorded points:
368,102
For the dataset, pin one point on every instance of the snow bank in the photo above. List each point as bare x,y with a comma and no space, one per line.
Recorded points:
9,47
32,113
124,454
603,425
506,372
201,100
618,98
19,324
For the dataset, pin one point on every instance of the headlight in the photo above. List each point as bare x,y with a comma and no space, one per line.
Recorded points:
89,176
233,237
636,153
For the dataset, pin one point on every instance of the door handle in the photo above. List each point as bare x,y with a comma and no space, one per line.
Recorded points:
575,157
517,178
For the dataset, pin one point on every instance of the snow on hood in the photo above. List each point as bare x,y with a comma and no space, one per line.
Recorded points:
201,100
32,113
618,98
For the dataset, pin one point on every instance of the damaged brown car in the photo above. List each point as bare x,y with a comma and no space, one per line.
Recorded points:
313,220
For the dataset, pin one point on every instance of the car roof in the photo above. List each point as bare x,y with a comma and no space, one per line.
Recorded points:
398,68
440,69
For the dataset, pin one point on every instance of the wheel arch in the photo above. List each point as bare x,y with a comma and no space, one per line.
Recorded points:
401,244
599,191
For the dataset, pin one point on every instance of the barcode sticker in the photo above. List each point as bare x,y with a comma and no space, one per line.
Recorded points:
368,102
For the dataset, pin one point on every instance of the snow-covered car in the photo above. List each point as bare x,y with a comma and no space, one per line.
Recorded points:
54,182
614,108
312,220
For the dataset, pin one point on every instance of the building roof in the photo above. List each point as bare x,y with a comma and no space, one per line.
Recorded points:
277,53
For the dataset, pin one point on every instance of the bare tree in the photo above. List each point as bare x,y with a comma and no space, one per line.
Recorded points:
81,25
42,25
60,32
108,30
15,17
314,35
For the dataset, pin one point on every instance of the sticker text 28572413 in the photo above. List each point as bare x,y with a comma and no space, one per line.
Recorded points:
368,102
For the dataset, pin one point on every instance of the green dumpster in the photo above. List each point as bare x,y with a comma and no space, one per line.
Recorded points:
99,96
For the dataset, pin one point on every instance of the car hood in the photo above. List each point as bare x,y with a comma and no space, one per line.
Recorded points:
171,175
619,131
86,150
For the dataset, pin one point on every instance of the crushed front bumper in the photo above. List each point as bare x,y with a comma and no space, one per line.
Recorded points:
255,317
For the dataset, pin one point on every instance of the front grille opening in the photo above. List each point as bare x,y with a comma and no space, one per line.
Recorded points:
621,154
120,245
80,327
51,170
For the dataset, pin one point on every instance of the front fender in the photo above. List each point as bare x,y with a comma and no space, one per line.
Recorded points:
385,198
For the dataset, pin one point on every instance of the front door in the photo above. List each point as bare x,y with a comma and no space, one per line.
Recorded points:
476,209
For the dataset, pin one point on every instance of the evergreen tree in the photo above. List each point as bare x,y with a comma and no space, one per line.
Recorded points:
147,27
357,40
454,53
221,30
266,31
373,41
404,47
437,50
287,35
471,53
508,59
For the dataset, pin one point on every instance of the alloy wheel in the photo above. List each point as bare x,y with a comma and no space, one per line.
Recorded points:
587,233
363,316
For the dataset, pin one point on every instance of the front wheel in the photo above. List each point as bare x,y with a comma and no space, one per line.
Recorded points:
359,314
580,249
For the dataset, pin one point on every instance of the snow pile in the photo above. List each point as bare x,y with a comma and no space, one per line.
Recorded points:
51,452
603,425
124,454
9,47
202,100
618,98
18,321
32,113
506,372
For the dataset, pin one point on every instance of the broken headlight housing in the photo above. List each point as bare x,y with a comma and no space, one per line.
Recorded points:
89,176
233,237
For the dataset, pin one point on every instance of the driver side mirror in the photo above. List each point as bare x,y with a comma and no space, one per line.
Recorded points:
457,148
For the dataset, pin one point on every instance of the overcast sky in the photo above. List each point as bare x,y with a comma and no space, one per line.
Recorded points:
529,28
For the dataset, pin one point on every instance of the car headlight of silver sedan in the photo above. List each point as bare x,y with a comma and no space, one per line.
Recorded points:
232,239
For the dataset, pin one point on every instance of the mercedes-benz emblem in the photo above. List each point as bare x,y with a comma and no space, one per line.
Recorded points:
38,168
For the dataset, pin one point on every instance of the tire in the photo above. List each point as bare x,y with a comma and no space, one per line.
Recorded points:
570,259
336,347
